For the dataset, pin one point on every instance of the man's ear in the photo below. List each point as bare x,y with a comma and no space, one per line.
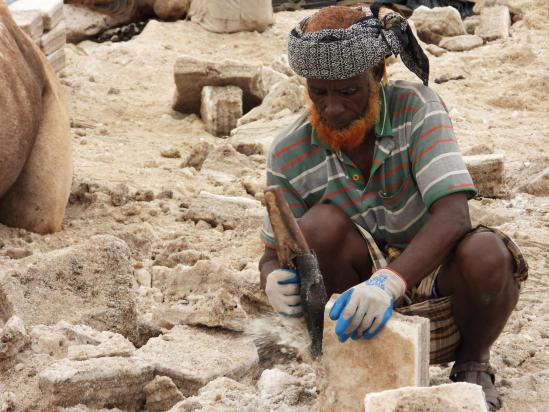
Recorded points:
378,71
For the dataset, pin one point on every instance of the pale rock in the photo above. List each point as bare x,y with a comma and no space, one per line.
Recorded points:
220,108
397,356
435,50
78,342
452,397
277,387
162,275
538,185
51,10
487,172
54,40
162,394
83,23
216,309
143,277
170,153
222,395
149,297
192,357
494,23
90,283
98,382
192,74
197,156
30,21
7,402
281,64
286,94
265,80
18,252
57,60
229,211
120,194
171,10
140,239
471,23
13,338
434,24
256,137
461,43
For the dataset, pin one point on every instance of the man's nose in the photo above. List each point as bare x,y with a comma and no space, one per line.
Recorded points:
333,110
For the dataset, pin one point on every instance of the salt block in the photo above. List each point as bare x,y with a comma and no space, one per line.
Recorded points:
451,397
98,382
220,108
487,172
398,356
192,74
30,21
494,23
192,357
54,39
52,10
58,60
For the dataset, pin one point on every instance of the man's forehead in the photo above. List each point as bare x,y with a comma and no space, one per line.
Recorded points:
354,81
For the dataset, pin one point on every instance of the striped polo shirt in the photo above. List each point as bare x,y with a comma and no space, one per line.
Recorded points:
416,162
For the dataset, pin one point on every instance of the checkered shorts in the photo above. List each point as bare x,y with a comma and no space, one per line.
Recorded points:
420,301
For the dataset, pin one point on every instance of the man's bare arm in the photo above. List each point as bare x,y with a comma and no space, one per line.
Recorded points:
448,223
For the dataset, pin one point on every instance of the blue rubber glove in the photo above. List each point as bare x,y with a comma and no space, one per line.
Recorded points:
363,310
282,289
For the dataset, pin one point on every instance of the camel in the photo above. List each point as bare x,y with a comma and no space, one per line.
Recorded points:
163,9
35,142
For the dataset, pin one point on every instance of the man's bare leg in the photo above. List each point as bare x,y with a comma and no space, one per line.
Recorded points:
479,276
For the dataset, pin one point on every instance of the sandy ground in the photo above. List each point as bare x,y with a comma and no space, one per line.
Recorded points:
120,99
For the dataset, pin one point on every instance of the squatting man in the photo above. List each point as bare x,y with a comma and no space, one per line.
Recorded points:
378,185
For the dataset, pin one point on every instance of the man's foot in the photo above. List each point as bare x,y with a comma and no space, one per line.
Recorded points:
480,373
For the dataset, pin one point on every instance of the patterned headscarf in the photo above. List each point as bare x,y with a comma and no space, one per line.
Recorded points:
337,54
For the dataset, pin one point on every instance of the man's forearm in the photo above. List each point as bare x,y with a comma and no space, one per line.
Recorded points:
448,223
267,263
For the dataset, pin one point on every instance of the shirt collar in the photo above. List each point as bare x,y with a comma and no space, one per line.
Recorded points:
383,127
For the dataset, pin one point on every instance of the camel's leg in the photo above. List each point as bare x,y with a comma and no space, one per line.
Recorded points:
38,198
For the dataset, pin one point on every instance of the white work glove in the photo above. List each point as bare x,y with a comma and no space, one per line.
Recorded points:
283,291
363,310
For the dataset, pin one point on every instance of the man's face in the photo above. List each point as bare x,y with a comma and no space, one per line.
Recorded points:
340,102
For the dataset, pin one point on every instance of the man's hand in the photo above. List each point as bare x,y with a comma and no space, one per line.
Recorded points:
282,289
363,310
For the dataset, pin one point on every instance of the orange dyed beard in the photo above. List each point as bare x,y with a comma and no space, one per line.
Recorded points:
353,135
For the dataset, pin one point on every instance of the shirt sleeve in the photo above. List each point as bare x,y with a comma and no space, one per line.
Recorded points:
298,206
435,158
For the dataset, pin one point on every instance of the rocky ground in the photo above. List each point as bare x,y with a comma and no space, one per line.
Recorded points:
160,242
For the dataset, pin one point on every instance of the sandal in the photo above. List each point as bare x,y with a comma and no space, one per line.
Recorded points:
480,373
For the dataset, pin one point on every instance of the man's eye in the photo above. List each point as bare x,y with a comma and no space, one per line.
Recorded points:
317,92
349,92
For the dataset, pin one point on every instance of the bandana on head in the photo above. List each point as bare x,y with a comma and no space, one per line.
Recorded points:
337,54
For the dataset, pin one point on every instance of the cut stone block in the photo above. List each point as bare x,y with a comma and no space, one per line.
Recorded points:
494,23
487,172
398,356
162,394
83,23
220,108
52,10
90,283
13,338
461,43
58,60
471,23
98,383
54,39
452,397
256,137
228,211
30,21
434,24
192,357
192,74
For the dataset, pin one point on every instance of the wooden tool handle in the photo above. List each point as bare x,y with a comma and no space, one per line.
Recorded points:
289,238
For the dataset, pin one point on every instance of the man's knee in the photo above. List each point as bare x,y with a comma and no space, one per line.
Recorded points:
325,225
485,263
